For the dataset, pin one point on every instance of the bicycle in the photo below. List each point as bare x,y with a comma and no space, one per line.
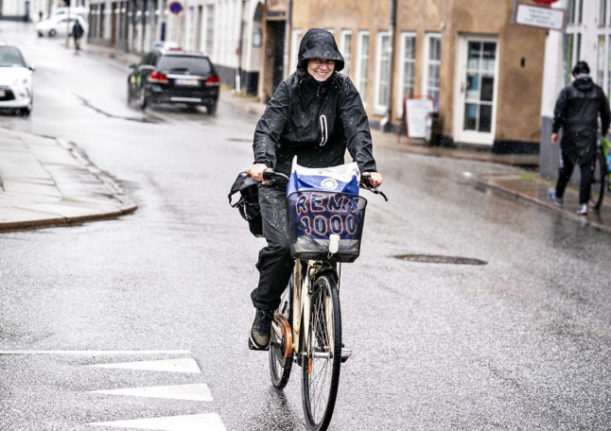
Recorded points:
307,326
600,177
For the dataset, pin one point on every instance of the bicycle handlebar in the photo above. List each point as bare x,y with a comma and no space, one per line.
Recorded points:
271,175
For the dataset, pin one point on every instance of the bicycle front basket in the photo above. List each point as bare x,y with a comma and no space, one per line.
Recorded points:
315,215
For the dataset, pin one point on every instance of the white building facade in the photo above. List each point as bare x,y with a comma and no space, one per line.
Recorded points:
229,31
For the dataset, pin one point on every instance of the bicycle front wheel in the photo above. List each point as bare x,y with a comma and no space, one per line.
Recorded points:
599,176
321,358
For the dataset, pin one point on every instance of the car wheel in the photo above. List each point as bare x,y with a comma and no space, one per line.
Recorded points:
212,108
52,32
25,111
143,101
40,34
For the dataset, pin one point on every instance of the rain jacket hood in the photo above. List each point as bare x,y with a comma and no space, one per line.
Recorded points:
319,43
583,82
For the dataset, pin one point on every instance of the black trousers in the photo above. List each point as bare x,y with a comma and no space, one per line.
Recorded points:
564,175
275,264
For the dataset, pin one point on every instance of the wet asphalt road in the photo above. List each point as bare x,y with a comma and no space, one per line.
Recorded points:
522,342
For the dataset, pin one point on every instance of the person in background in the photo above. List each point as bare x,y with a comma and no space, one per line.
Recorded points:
577,110
77,33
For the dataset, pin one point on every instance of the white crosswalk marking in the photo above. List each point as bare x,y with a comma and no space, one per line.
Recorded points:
199,422
192,392
183,365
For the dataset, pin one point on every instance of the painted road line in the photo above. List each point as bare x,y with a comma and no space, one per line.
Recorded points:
191,392
199,422
95,352
182,365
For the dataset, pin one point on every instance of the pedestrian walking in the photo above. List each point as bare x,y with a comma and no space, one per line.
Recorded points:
577,111
77,33
314,114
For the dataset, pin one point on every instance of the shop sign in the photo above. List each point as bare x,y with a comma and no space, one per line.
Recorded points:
541,17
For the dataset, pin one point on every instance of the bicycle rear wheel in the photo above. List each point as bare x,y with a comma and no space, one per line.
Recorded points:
279,365
599,180
321,359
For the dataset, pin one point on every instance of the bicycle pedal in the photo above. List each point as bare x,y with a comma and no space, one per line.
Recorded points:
252,346
346,354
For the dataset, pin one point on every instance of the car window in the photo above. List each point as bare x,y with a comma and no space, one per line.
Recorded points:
179,63
11,57
146,59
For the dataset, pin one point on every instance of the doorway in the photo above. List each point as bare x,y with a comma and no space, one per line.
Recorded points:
278,29
476,90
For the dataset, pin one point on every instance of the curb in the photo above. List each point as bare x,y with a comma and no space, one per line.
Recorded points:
586,221
115,192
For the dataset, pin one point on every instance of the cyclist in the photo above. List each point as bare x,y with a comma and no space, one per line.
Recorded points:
314,114
577,109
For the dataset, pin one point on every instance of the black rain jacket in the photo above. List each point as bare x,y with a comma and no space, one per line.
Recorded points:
577,110
315,121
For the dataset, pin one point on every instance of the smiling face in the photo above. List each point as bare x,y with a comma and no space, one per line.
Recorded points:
320,68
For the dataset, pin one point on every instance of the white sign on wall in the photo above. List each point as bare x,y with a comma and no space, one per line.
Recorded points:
418,116
540,17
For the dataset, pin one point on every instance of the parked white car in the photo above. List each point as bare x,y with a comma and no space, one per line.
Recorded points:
83,12
59,25
15,80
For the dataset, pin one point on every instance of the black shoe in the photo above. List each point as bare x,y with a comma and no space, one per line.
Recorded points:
261,330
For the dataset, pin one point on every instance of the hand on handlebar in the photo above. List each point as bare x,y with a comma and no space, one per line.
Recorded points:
371,179
256,172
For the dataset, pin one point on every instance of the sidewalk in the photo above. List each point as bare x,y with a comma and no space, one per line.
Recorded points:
46,181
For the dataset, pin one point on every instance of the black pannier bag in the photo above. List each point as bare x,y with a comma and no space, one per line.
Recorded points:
248,203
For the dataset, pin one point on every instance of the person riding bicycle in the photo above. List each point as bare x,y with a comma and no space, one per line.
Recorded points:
577,109
314,114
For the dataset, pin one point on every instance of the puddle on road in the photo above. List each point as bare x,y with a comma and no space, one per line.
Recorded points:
432,258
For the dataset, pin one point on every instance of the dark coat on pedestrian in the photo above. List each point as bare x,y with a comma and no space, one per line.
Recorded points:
77,30
315,121
577,110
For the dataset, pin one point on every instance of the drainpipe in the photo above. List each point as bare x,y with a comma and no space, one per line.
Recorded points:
238,78
393,31
287,38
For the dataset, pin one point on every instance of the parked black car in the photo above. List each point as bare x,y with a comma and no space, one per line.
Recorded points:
174,76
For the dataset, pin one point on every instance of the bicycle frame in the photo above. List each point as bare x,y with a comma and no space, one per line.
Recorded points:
301,306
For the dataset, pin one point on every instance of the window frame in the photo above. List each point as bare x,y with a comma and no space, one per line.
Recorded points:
379,108
361,84
402,44
427,62
347,55
296,36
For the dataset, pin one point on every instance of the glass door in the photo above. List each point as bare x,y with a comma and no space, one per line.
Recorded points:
477,90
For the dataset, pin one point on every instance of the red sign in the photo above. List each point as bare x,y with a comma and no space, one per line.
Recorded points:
545,1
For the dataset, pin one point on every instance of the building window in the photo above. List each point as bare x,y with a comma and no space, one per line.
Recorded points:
362,63
602,13
209,28
432,66
603,46
407,65
346,48
383,72
295,49
600,61
574,12
102,19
